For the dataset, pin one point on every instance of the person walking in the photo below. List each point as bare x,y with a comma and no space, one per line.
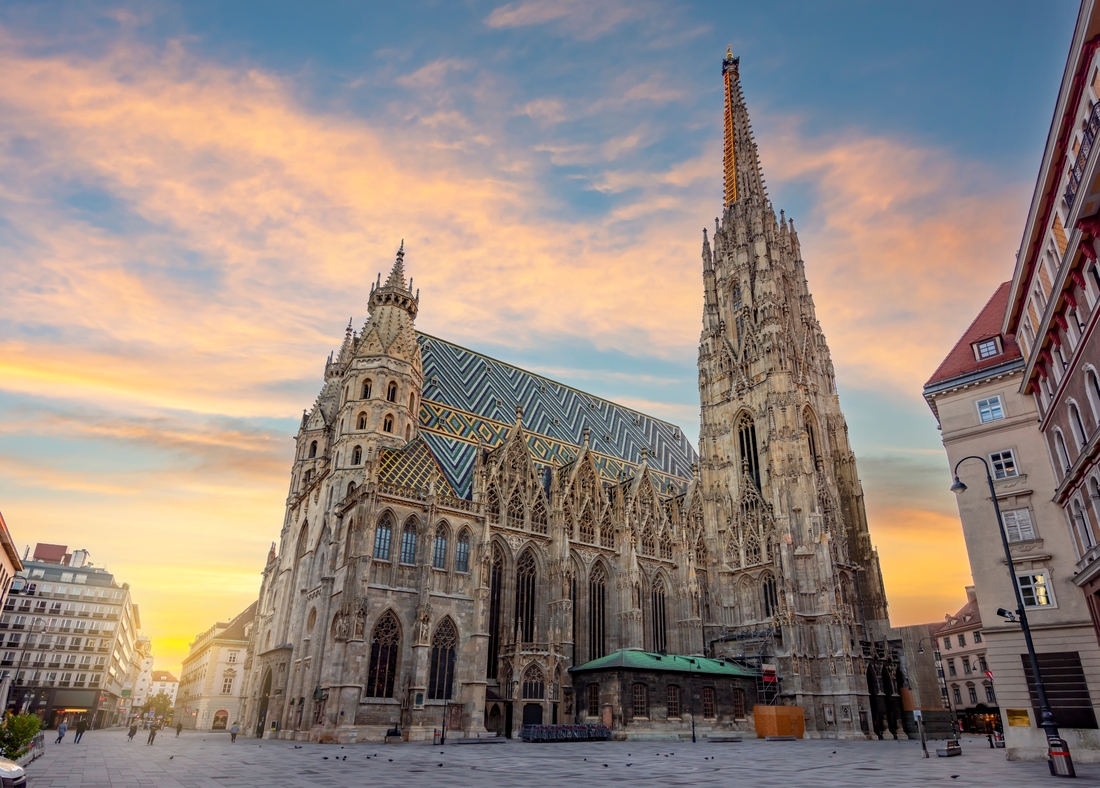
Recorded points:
179,729
152,733
233,733
81,726
132,732
61,730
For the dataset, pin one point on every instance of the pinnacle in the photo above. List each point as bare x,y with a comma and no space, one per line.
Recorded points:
397,275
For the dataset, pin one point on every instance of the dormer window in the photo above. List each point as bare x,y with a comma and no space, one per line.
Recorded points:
987,348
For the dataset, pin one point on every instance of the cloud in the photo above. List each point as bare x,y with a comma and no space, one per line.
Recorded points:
585,19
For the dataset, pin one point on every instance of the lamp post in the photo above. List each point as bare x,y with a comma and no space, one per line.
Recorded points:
943,683
1056,747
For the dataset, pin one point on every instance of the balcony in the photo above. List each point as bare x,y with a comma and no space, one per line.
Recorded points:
1087,140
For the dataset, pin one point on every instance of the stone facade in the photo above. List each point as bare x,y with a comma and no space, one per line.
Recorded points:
212,682
459,532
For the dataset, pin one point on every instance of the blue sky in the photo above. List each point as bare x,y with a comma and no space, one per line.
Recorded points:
195,197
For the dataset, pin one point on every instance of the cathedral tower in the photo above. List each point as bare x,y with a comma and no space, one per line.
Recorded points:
792,567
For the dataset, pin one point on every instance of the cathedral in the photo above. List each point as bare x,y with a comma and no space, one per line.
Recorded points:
465,540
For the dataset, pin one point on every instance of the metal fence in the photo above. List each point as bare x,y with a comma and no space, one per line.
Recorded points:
541,733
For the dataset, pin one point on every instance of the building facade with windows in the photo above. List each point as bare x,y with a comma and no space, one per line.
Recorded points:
976,398
162,682
10,563
213,676
968,679
69,638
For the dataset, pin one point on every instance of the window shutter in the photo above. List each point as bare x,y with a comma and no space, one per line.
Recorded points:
1018,525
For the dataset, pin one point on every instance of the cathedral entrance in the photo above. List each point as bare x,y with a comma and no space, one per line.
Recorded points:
264,698
532,714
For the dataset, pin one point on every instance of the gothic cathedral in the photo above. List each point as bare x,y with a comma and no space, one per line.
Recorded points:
461,533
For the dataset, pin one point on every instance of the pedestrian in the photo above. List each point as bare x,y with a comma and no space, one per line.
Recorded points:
152,733
132,732
61,729
179,729
233,733
81,726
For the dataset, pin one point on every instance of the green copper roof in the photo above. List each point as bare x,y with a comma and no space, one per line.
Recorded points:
646,660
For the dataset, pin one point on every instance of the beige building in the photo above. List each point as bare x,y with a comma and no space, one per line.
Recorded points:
141,674
968,678
212,680
162,682
9,561
975,395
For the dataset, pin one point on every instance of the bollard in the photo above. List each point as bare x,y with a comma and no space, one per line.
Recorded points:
436,737
1061,765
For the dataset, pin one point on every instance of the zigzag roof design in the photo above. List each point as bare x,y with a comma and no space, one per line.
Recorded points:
470,399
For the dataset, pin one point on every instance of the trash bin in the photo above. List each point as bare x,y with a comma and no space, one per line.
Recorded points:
436,737
1061,765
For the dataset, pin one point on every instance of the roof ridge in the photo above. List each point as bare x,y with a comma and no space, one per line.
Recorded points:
966,334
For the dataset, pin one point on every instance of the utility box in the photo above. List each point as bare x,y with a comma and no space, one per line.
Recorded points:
779,721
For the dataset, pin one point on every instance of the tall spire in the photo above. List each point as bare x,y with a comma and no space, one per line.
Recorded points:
742,164
397,275
395,291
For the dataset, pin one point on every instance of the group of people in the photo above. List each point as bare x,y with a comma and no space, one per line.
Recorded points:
154,728
63,728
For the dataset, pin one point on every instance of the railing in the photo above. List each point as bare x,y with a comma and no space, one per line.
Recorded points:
1087,140
402,491
1093,554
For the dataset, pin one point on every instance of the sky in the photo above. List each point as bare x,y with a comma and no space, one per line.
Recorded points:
195,197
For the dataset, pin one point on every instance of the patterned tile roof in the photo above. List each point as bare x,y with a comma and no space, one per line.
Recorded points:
673,663
471,398
413,465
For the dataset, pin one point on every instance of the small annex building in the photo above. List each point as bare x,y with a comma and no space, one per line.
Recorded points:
644,695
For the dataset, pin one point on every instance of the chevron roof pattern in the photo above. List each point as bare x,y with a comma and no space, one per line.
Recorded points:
470,398
413,465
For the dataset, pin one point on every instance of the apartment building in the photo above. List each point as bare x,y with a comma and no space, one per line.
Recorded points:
213,677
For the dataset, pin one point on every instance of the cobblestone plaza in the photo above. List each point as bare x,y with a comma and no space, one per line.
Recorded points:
105,760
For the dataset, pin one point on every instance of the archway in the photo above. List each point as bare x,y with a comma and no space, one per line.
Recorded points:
221,720
532,714
265,696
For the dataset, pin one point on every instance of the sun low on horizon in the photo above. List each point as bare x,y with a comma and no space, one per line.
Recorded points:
194,203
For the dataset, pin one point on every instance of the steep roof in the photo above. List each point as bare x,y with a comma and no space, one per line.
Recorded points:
163,675
961,361
470,399
966,619
673,663
236,628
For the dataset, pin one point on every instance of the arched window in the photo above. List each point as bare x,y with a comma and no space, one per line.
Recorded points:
607,534
382,538
701,552
492,506
361,422
737,304
384,646
666,547
351,488
313,450
387,424
496,584
1078,426
391,392
752,551
408,544
597,613
462,552
357,455
646,542
534,685
746,438
771,596
442,675
515,511
657,600
811,434
1081,524
439,549
538,517
1092,388
587,527
526,575
366,388
1061,451
412,403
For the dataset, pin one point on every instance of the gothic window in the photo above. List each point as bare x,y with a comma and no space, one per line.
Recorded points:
538,518
357,455
573,605
1077,425
738,704
607,534
646,542
313,450
640,700
526,576
593,704
701,552
746,438
515,511
496,582
408,544
672,701
462,552
597,613
366,388
666,547
492,506
382,538
771,596
351,488
439,549
752,551
811,436
738,312
708,702
534,685
387,424
361,424
587,526
657,601
384,646
441,677
391,392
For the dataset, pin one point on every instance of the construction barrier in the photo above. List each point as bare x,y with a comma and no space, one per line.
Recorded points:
541,733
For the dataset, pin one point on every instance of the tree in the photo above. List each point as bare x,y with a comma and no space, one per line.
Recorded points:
16,733
161,703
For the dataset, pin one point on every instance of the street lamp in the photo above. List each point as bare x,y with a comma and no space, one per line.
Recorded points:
943,682
1056,746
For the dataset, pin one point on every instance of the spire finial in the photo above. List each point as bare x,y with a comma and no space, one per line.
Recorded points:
397,275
